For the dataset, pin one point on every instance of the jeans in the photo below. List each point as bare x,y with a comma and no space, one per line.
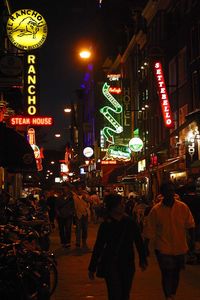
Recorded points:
170,267
81,230
65,228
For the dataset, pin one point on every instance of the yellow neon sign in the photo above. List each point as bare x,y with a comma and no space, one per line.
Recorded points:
31,88
26,29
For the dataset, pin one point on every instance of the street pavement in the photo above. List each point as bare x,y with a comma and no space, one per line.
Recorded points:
73,282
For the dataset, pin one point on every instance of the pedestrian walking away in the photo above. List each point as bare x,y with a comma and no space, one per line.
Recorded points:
81,215
65,211
114,247
167,225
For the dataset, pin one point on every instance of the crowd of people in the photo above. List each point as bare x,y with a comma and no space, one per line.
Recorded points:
123,222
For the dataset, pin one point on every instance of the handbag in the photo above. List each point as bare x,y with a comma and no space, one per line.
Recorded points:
102,264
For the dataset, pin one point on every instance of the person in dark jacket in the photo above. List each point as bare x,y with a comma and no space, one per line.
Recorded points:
115,240
65,212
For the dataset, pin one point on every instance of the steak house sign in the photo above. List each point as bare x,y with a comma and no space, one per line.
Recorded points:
165,105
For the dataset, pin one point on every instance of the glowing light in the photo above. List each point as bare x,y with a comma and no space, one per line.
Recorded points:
67,110
34,121
108,131
85,54
115,90
165,105
88,152
26,29
136,144
31,85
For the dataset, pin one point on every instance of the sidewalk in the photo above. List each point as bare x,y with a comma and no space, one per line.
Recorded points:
73,283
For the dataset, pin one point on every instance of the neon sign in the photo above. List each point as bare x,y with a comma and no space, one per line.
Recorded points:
136,144
27,29
34,121
115,90
108,131
114,77
119,152
165,105
31,85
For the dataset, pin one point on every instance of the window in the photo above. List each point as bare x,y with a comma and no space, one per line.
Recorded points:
182,67
196,89
183,111
195,42
172,76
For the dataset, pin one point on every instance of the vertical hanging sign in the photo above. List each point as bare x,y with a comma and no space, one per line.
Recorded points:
108,132
31,84
162,91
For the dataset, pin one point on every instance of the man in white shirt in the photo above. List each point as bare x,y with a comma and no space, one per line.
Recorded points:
167,225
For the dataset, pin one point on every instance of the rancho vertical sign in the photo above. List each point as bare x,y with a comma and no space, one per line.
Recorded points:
31,82
162,91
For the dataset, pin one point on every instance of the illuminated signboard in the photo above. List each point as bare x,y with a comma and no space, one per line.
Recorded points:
119,152
31,85
115,90
136,144
165,105
192,146
26,29
88,152
34,121
108,162
117,128
114,77
31,136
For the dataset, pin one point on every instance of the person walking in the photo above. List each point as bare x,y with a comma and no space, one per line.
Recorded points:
81,215
114,245
65,210
51,202
167,225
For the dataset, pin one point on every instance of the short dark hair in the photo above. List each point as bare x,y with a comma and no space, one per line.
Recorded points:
167,188
112,200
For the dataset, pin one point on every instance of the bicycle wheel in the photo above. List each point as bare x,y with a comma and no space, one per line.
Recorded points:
53,279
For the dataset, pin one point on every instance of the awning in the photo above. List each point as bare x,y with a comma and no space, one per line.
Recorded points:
16,154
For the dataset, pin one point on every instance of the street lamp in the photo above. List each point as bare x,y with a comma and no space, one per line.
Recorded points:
57,135
85,54
67,110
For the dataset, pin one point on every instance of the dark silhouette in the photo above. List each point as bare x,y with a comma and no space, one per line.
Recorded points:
65,211
115,242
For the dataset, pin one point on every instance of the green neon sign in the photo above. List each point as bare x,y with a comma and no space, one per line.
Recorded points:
117,128
119,152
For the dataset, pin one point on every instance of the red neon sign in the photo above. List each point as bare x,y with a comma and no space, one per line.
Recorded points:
34,121
166,110
115,90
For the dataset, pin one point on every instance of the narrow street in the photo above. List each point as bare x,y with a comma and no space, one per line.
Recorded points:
73,283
